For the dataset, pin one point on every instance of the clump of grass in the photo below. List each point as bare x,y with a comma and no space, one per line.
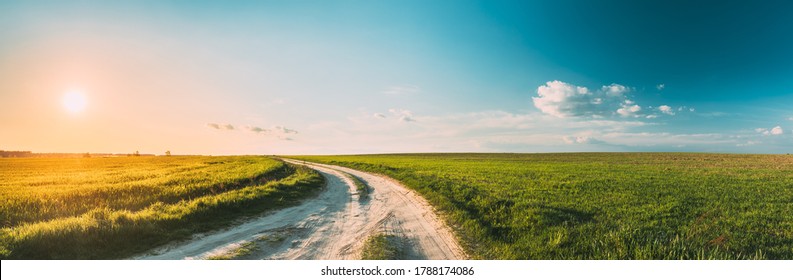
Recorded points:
360,186
382,246
245,249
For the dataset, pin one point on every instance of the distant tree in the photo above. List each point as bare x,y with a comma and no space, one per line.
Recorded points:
86,155
167,153
137,154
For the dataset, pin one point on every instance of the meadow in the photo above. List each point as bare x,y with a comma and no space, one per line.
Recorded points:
103,208
603,205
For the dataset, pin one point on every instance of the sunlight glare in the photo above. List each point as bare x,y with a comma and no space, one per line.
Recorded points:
74,101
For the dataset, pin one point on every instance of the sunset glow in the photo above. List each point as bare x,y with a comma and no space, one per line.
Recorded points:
74,101
331,77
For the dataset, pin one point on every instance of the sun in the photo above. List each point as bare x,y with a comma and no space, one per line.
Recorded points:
74,101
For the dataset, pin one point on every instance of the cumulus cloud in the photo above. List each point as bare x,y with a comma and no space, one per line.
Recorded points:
402,90
576,139
777,130
615,89
563,100
666,110
220,126
660,86
629,109
402,115
379,116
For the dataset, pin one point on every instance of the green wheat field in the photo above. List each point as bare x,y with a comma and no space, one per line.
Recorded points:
502,206
604,205
103,208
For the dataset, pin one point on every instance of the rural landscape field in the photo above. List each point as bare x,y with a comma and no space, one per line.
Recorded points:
604,205
107,208
500,206
421,130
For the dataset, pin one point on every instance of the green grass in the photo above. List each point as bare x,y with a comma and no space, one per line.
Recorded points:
382,247
100,208
245,249
603,205
38,189
360,186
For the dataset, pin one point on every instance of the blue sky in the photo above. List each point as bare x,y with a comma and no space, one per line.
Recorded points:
325,77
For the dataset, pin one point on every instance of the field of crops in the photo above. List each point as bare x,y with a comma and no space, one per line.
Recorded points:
604,205
84,208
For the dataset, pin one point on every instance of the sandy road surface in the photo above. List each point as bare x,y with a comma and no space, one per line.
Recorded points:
333,225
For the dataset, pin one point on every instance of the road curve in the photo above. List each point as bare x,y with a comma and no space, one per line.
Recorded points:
333,225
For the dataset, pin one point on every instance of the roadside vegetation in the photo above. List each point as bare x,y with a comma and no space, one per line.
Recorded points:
360,186
103,208
603,205
244,249
382,246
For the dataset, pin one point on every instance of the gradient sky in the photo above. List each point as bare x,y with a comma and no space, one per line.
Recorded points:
329,77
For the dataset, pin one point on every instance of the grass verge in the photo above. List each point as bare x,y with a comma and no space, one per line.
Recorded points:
246,248
382,246
360,186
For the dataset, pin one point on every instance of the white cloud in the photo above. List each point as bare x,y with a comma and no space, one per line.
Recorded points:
473,131
402,115
379,116
402,90
777,130
652,116
660,86
666,110
629,109
615,89
790,118
564,100
748,143
500,131
648,139
576,139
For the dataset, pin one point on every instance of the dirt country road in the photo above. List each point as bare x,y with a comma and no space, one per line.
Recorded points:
333,225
